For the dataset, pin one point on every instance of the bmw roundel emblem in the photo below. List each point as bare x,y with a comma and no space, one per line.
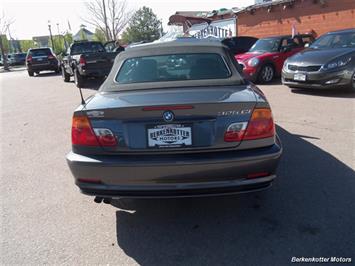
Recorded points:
168,116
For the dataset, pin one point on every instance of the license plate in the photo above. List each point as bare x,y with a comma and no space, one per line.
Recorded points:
168,136
300,77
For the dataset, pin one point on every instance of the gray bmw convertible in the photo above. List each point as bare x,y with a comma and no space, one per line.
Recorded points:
174,119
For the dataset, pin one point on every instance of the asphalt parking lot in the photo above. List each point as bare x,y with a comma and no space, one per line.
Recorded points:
308,212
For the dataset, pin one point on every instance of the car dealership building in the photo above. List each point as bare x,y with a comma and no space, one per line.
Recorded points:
272,18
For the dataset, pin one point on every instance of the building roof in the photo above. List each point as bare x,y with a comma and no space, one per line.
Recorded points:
263,5
195,17
191,13
86,32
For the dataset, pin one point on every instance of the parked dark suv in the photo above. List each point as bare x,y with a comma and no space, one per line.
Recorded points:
17,59
86,59
41,59
240,44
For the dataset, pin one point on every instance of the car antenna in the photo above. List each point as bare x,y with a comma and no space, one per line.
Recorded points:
81,96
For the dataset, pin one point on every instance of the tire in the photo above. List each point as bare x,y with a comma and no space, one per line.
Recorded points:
30,73
57,71
65,75
266,74
79,80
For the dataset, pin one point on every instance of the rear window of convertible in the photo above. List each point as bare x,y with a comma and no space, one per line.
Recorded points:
173,68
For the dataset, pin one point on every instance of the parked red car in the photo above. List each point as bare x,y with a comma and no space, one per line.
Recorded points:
266,57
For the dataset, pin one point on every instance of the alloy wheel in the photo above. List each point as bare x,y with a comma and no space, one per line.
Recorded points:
267,73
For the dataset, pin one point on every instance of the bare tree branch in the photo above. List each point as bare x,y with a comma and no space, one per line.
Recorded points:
117,16
4,25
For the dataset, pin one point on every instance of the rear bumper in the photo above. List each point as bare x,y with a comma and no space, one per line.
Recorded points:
94,72
226,188
41,67
180,176
319,80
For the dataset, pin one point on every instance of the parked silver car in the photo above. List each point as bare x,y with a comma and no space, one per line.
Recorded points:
328,63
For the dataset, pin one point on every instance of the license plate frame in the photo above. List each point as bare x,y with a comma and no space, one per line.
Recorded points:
300,77
169,135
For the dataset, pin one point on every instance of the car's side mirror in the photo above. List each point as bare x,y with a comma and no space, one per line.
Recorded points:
306,45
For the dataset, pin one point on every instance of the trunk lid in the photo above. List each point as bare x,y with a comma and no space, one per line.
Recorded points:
200,117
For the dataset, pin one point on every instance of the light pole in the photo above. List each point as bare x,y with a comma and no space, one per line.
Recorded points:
64,41
58,29
50,34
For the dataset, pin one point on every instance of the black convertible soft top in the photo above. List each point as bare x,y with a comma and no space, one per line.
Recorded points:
171,48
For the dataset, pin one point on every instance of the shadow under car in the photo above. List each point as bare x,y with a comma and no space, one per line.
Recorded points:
308,212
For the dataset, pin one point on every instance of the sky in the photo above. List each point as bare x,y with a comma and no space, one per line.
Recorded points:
31,17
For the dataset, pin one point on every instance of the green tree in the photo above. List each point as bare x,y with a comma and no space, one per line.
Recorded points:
58,44
27,44
5,43
99,35
82,35
144,26
61,42
68,37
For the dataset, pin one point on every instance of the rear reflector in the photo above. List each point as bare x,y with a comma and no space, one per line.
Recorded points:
85,180
261,125
82,133
163,108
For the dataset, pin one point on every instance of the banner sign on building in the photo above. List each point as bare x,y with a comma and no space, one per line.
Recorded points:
218,28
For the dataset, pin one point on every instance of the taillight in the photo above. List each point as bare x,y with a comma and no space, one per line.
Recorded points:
50,56
261,125
235,132
82,61
84,134
105,137
29,58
